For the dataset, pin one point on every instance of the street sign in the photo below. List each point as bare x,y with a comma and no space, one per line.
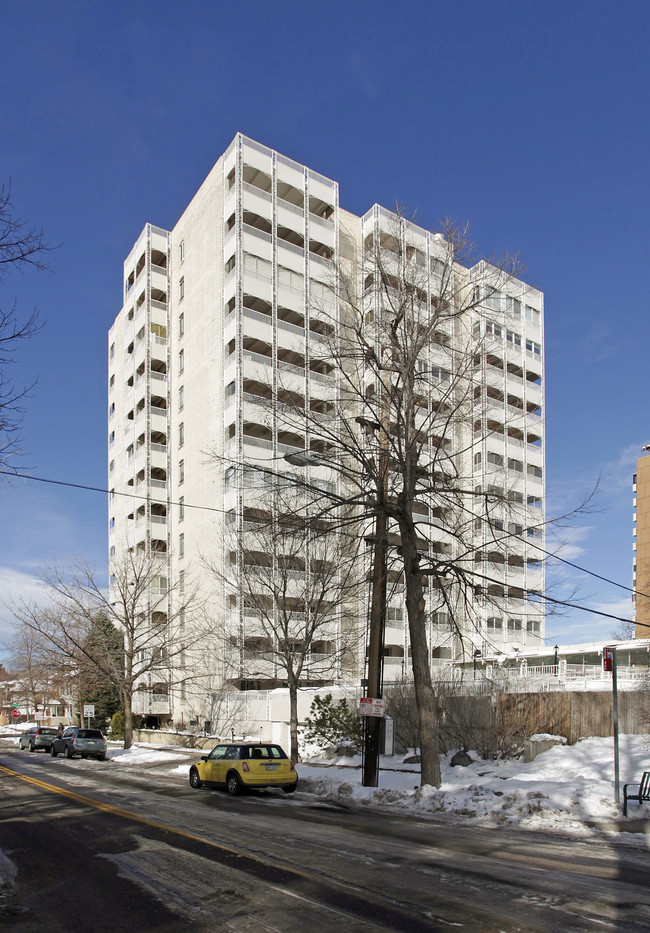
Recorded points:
89,711
370,707
608,659
16,714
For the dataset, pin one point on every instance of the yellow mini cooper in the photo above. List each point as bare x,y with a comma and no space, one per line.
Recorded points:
237,765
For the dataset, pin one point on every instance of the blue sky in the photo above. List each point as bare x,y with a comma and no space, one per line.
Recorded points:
530,120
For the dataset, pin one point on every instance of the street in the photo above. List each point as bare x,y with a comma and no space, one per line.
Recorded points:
93,846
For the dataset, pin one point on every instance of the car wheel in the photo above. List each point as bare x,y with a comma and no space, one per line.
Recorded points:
195,780
233,784
101,757
68,752
31,747
53,752
289,788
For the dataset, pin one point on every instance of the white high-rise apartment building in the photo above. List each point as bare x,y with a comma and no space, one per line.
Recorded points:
219,331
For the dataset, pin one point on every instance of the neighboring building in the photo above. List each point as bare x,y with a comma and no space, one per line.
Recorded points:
641,566
219,332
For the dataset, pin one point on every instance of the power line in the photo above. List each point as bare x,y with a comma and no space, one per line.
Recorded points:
208,508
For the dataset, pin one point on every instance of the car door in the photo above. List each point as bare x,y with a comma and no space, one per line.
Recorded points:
213,765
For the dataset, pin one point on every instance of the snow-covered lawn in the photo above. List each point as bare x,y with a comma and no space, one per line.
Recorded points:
566,787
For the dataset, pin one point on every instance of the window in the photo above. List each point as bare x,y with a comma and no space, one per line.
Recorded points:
181,288
513,338
440,375
477,459
493,329
532,315
111,382
494,624
112,351
514,496
440,618
535,502
111,524
181,434
181,545
515,529
496,459
533,347
181,252
515,465
230,265
181,508
181,325
533,627
111,437
111,466
513,307
181,398
112,552
394,615
534,471
514,625
181,471
181,581
181,361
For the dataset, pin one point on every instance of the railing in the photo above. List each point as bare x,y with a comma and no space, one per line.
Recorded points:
161,377
161,448
323,378
253,189
321,221
321,259
255,231
159,483
258,316
158,410
294,208
299,250
161,305
159,519
258,442
257,357
294,328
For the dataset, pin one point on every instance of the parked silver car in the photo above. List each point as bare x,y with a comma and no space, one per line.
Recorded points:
87,743
37,737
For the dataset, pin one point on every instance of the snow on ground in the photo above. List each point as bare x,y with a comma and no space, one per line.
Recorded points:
568,787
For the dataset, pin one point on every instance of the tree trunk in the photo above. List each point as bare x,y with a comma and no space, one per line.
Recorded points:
293,719
425,697
128,721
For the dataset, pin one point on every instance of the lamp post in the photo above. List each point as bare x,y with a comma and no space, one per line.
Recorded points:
556,649
477,655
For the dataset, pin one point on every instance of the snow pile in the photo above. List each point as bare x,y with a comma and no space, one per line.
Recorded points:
565,786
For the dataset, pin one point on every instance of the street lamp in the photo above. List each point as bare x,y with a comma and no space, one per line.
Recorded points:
477,655
556,649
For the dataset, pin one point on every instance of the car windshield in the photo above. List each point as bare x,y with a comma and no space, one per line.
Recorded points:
89,734
49,732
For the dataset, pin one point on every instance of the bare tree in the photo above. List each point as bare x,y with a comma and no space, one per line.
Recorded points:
20,248
38,668
159,624
297,581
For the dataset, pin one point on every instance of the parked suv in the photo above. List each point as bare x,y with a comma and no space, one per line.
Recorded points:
37,737
88,743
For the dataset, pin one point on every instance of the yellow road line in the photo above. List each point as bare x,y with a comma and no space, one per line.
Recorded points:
129,815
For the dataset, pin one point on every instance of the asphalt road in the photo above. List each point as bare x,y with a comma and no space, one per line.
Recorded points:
96,846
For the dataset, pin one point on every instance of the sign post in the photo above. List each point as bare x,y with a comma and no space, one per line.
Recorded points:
89,712
609,664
